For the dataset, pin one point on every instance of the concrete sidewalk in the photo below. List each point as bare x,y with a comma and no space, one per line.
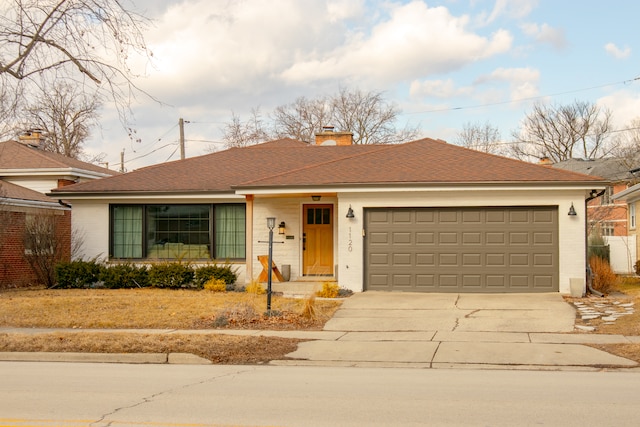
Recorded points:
523,331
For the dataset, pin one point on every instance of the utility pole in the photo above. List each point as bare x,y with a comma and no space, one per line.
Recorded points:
121,161
181,124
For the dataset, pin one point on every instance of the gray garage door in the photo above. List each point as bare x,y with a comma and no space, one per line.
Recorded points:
462,250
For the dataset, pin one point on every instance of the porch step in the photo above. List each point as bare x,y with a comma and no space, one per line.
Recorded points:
298,288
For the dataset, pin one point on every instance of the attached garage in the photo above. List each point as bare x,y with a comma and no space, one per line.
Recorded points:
483,250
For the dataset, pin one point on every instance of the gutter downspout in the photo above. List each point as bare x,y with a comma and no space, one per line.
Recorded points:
586,246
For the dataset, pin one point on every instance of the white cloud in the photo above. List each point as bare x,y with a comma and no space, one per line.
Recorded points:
437,89
616,52
624,104
414,41
523,82
545,34
510,9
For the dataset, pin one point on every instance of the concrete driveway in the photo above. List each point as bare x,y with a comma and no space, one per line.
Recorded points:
388,311
449,330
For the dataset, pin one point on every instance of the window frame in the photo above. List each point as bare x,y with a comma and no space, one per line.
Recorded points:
632,216
212,250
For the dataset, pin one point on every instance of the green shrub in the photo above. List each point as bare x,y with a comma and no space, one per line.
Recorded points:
172,275
205,273
125,276
78,274
597,245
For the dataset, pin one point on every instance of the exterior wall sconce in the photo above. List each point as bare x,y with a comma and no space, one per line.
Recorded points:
315,198
350,214
572,210
281,227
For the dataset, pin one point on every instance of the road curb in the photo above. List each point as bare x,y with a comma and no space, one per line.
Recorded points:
129,358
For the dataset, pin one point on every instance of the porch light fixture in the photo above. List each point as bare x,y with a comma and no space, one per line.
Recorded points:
315,198
271,223
572,210
350,214
281,227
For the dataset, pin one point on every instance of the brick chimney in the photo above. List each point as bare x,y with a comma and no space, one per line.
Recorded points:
545,161
329,137
32,138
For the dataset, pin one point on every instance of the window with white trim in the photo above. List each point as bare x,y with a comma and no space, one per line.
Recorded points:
632,215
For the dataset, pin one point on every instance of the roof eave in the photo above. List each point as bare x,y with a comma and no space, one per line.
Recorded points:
587,185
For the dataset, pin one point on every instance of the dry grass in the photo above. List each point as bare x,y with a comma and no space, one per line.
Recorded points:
156,309
146,308
221,349
627,289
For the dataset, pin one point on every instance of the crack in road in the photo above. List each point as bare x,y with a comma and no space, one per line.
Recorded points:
103,422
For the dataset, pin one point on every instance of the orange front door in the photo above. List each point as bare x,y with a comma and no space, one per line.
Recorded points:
317,240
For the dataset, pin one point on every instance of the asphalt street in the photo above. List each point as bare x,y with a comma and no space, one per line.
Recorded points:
115,395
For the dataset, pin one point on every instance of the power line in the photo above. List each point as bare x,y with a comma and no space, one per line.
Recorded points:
469,107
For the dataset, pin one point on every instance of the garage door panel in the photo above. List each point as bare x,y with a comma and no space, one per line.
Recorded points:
448,281
402,259
495,238
425,281
471,281
402,217
425,260
401,238
543,238
380,260
519,238
462,250
472,217
543,282
379,238
448,260
471,238
472,260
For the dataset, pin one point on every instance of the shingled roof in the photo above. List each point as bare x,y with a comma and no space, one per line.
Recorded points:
289,163
12,193
15,155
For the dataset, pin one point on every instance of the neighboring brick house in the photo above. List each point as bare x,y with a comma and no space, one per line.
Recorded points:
604,211
26,173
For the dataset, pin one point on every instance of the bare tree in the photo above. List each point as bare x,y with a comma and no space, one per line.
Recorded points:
627,144
561,132
480,137
83,42
45,246
369,117
65,116
302,119
240,134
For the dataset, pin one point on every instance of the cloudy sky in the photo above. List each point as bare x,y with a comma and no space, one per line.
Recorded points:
443,63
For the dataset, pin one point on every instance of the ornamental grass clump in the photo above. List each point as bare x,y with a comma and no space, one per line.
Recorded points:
255,288
604,279
215,285
329,290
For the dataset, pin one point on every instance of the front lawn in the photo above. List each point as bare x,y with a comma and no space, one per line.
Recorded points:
158,309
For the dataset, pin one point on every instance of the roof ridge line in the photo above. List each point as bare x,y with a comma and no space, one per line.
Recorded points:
382,147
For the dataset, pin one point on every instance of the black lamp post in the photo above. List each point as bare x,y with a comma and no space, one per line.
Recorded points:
271,223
